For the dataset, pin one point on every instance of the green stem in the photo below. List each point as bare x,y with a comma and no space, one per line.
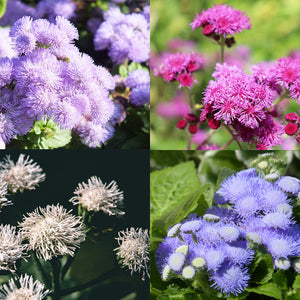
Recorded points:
42,271
227,144
189,143
91,283
222,44
55,263
67,266
282,97
234,137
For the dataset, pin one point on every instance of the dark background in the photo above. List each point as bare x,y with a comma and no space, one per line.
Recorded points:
65,169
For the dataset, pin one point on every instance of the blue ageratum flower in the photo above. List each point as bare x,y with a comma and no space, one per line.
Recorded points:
230,279
289,184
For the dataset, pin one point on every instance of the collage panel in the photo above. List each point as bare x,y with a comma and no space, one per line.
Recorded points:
74,74
224,225
74,224
222,77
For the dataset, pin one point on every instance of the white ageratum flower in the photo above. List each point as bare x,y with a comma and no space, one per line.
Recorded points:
3,191
24,288
52,231
96,196
133,250
22,175
11,248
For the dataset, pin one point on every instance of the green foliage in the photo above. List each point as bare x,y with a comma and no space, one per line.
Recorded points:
46,134
176,191
2,7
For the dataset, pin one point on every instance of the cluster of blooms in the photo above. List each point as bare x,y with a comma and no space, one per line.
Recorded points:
180,66
126,36
223,241
238,99
134,249
51,78
96,196
45,9
23,288
221,20
52,231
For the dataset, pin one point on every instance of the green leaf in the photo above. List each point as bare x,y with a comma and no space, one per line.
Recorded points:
268,289
296,284
2,7
175,214
60,138
264,270
171,186
163,158
280,279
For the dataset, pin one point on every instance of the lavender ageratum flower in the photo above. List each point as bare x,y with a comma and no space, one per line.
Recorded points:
239,253
125,36
52,8
134,249
52,231
51,78
139,82
230,279
229,233
23,288
22,175
6,46
96,195
15,10
11,247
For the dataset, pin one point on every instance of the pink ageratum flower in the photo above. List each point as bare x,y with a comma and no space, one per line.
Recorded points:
236,97
179,66
240,100
222,20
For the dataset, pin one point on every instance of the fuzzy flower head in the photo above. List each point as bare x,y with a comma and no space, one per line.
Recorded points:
3,191
133,250
24,288
22,175
180,66
52,231
11,248
221,20
96,195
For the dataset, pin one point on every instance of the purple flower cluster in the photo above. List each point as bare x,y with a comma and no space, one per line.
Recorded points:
243,101
45,9
223,241
5,45
126,36
51,78
139,82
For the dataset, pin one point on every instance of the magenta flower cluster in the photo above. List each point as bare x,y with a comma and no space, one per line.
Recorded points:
180,66
221,20
238,99
50,78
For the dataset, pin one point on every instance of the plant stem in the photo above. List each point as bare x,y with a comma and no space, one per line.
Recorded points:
209,136
189,143
234,137
89,283
222,44
227,144
42,271
66,267
283,96
55,263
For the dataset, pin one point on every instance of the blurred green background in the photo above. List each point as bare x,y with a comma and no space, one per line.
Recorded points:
275,33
